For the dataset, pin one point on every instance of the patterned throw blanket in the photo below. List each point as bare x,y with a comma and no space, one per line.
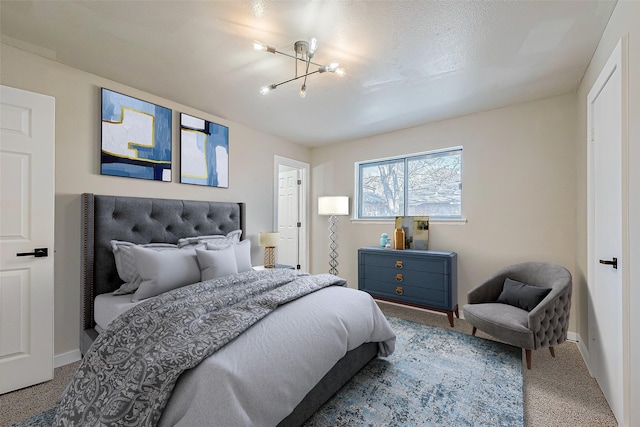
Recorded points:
127,376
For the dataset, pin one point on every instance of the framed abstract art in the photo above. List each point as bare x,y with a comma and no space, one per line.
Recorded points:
204,152
136,138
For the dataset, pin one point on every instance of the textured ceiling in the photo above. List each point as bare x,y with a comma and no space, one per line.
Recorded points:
407,62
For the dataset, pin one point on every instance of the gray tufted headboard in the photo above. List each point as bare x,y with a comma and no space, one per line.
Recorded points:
141,220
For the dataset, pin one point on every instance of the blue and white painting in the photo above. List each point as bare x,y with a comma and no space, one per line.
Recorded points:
136,138
204,152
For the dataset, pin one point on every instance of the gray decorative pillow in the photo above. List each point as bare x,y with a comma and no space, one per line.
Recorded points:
522,295
231,238
163,271
242,252
217,262
125,264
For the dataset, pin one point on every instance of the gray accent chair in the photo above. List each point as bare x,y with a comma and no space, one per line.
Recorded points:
544,326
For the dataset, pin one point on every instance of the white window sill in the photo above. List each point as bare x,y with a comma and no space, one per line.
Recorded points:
444,221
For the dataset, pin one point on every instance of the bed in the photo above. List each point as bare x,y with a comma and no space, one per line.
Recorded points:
307,375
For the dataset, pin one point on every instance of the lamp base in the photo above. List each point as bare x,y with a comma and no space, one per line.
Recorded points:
333,244
270,257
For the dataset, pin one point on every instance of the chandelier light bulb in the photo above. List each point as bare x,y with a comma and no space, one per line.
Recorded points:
303,91
261,46
341,72
313,45
266,89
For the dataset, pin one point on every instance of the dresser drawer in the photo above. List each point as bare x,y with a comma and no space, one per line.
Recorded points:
410,294
422,279
399,262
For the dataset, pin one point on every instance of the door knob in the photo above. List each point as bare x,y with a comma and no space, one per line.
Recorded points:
38,253
613,262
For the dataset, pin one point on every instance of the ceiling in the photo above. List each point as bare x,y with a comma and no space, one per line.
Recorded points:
407,62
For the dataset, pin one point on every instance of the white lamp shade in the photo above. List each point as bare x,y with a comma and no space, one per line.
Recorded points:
333,205
269,239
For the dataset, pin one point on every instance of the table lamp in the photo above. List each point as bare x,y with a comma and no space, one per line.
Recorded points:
269,240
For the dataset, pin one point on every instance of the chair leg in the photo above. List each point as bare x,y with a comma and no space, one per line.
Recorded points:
473,331
553,352
527,354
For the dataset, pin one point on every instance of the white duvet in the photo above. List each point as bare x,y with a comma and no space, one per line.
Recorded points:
261,376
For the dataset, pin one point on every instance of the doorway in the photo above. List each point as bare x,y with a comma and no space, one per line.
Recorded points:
291,182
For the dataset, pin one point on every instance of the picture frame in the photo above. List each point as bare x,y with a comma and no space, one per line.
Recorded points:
136,138
416,231
204,152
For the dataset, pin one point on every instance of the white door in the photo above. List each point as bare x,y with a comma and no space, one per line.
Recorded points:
605,122
27,156
288,216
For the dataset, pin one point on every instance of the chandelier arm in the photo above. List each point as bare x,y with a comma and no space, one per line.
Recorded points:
295,78
299,59
306,72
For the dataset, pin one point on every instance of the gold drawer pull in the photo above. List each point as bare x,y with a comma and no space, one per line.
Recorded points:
399,290
398,264
399,277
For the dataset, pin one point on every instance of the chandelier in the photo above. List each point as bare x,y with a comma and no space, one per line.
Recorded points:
304,51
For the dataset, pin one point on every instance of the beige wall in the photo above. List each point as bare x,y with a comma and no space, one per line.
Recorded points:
624,22
519,189
77,97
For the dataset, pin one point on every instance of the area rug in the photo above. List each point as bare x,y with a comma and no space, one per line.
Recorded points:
43,419
435,377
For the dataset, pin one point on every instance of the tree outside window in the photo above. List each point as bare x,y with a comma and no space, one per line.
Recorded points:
425,184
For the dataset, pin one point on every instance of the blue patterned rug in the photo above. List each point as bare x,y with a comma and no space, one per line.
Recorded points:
43,419
436,377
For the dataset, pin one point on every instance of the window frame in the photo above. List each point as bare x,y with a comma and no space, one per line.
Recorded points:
357,211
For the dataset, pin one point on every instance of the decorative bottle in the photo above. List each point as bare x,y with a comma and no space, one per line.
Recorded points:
398,238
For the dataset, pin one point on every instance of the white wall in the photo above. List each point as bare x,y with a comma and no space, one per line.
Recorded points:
77,164
625,21
519,189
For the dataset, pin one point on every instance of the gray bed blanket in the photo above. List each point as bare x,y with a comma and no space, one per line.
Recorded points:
127,376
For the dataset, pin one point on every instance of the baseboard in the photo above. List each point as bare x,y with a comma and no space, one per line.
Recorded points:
584,352
66,358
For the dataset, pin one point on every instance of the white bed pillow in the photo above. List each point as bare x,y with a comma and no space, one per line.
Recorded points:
163,271
242,252
231,238
124,257
128,287
218,262
125,264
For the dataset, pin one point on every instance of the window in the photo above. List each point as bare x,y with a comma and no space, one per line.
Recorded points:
419,184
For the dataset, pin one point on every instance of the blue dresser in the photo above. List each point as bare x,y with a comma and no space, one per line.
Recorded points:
425,279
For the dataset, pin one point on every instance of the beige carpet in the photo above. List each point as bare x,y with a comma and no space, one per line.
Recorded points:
557,391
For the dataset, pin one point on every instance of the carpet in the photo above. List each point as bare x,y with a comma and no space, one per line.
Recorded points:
435,377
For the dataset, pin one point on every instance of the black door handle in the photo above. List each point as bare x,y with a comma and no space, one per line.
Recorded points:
613,263
38,253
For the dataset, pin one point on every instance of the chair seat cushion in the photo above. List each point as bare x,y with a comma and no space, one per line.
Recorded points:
502,321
